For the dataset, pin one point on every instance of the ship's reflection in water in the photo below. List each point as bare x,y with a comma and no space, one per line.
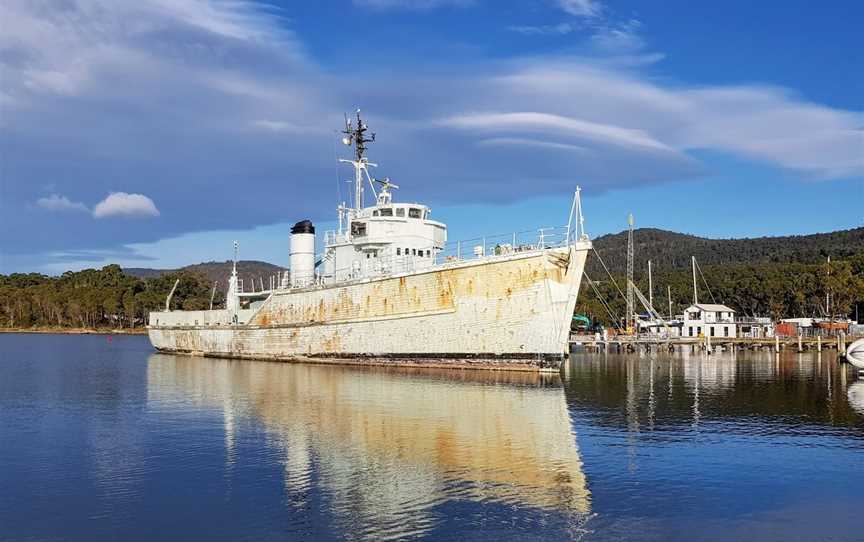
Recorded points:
390,451
735,446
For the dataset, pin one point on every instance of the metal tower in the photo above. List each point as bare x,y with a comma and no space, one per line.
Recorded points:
631,320
356,136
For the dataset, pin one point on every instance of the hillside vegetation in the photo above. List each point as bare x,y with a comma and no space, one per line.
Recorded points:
769,276
247,270
96,298
670,250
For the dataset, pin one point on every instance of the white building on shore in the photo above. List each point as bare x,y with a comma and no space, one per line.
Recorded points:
709,320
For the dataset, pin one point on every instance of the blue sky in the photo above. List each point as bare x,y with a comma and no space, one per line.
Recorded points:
153,133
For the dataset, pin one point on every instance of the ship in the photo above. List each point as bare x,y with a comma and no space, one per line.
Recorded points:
388,288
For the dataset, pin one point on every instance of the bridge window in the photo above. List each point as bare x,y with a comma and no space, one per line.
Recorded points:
375,212
358,229
400,211
398,251
414,213
387,211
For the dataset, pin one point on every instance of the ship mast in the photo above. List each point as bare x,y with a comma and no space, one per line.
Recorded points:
356,136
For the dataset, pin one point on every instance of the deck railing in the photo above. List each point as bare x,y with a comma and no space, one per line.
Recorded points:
452,253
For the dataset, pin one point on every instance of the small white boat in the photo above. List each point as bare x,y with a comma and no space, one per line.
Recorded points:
855,395
855,354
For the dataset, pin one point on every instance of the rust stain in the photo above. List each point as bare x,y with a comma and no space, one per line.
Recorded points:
405,295
333,343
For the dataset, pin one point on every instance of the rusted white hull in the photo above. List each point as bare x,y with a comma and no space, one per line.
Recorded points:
510,311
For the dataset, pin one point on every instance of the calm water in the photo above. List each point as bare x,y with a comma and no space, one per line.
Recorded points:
104,440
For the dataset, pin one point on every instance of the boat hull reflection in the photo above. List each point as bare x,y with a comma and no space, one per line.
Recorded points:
390,444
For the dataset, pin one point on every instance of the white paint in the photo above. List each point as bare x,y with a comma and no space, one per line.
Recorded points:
533,321
302,258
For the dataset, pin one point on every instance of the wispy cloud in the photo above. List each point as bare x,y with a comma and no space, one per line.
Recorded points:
620,38
125,205
581,8
559,29
602,31
56,202
412,4
525,142
545,123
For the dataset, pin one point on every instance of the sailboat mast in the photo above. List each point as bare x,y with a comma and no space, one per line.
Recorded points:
669,295
695,292
828,291
650,286
631,320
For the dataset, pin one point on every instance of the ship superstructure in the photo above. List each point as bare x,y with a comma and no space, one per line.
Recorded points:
388,287
382,239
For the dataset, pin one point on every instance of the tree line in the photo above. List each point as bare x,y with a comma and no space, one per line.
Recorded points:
96,298
110,298
777,290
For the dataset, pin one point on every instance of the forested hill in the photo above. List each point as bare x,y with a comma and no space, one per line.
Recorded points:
669,250
215,271
771,276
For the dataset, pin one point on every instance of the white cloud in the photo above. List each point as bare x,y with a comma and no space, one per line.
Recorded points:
581,8
412,4
525,142
123,204
619,38
559,29
56,202
602,32
761,123
557,124
285,127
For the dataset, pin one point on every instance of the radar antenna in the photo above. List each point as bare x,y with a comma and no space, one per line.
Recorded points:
384,196
355,135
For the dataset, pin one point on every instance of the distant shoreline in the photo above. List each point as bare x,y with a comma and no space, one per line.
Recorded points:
75,330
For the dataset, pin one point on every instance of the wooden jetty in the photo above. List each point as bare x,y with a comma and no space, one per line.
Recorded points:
647,343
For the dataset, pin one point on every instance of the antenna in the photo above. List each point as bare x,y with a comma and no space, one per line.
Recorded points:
385,197
356,135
